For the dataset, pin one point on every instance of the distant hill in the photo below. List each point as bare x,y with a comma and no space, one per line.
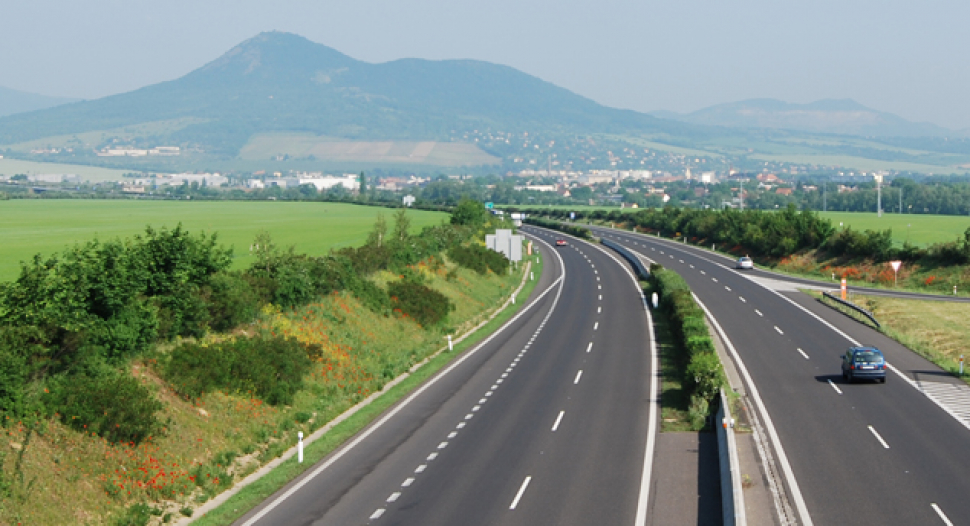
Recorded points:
280,82
13,101
845,117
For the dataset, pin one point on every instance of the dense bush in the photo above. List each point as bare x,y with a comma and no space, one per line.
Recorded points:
270,368
232,301
696,356
115,406
478,258
425,305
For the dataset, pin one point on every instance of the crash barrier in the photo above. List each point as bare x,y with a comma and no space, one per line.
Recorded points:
732,498
852,306
642,271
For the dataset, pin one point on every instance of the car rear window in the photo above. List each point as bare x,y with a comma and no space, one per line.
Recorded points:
868,357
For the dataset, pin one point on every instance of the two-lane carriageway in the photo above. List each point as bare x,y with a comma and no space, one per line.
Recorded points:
860,453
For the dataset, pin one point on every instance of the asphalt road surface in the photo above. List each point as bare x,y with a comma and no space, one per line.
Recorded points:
861,453
548,422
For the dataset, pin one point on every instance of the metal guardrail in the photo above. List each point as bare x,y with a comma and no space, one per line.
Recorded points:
852,306
732,496
642,271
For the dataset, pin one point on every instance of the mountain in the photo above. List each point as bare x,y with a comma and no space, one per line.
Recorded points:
13,101
280,82
844,117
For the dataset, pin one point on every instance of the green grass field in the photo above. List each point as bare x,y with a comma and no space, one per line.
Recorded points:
28,227
920,230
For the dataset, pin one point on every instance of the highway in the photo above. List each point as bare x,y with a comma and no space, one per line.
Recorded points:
549,421
861,453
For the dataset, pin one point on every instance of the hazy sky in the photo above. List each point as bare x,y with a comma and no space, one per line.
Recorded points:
905,57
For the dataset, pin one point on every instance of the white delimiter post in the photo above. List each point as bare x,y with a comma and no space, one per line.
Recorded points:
299,447
451,346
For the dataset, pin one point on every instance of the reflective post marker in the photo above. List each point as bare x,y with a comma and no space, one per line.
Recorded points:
451,346
299,447
844,289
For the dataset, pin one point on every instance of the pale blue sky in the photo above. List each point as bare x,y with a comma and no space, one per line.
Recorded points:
904,57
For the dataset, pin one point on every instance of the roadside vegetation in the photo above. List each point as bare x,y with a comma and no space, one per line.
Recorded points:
692,371
141,377
802,243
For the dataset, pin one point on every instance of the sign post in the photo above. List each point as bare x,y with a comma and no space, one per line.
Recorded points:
895,265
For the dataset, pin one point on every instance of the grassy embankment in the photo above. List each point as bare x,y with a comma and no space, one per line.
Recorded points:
28,227
59,476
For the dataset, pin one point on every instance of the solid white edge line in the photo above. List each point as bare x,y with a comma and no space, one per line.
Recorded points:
558,420
417,392
518,496
878,437
939,512
769,425
837,390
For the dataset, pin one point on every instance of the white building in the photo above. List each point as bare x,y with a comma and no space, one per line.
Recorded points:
348,181
202,179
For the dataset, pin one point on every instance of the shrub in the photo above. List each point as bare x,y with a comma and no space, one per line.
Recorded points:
127,333
232,301
269,368
115,406
427,306
698,412
136,515
212,479
478,258
704,375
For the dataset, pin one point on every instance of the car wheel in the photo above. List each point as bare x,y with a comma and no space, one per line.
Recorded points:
848,377
882,380
845,376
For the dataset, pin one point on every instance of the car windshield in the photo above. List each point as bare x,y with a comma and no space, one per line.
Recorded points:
745,260
868,357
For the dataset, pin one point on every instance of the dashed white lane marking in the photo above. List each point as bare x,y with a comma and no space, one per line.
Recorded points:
837,390
671,256
758,312
590,347
459,426
779,330
433,456
878,437
803,353
453,434
601,297
596,326
742,299
422,467
596,272
377,514
442,445
597,278
578,376
727,288
476,408
394,496
714,280
600,287
681,260
692,266
469,416
704,273
939,512
518,496
599,310
558,421
407,482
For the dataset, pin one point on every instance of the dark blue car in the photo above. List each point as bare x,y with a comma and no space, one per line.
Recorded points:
863,363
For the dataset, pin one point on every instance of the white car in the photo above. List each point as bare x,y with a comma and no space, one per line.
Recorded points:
744,263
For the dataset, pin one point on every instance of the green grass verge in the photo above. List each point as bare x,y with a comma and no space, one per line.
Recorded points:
919,229
255,493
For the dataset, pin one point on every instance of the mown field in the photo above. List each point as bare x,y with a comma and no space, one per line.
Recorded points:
28,227
918,229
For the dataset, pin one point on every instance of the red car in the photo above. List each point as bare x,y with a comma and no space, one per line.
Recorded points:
560,242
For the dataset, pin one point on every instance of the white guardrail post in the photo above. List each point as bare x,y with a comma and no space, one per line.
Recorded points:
732,498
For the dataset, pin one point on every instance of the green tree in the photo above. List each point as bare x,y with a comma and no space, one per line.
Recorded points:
469,213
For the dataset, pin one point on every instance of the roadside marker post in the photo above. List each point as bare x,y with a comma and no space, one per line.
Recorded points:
895,265
532,276
451,346
299,447
655,300
845,287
